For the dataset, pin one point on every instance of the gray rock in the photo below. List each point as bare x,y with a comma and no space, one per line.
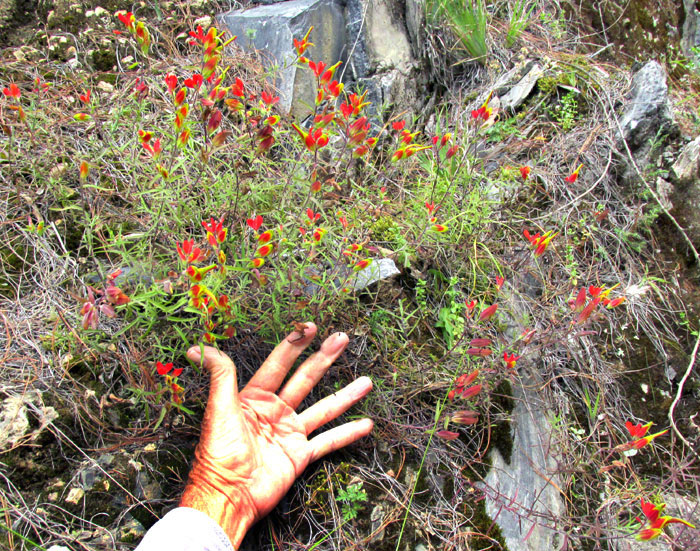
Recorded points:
272,28
519,93
687,166
686,195
524,491
647,113
518,494
690,37
383,268
14,418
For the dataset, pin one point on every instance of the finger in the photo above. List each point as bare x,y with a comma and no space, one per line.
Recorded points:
275,368
223,396
311,371
332,406
339,437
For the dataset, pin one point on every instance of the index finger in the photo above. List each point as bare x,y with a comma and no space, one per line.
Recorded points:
275,368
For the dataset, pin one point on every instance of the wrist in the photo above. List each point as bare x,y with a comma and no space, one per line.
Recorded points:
231,509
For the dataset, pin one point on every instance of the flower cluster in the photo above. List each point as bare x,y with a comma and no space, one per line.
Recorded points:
137,30
599,295
13,93
655,522
102,301
539,242
177,392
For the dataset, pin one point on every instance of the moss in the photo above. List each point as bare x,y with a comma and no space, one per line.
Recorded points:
104,60
501,437
483,524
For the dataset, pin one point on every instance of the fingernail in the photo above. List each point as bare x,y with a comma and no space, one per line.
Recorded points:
335,343
194,354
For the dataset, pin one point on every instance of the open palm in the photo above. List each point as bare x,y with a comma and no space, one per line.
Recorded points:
253,444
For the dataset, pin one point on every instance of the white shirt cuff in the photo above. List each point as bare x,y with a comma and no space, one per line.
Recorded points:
185,529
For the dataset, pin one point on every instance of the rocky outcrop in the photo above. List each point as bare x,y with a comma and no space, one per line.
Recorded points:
272,28
521,491
370,36
646,122
647,114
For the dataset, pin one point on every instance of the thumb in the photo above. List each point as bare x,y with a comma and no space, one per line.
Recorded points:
223,390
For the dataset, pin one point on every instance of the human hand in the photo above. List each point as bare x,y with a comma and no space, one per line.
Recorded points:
253,445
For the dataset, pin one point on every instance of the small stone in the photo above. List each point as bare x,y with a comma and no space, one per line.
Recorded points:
105,87
204,22
75,495
90,14
100,12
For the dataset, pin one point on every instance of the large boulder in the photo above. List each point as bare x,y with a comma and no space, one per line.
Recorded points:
646,122
686,196
371,37
647,113
272,29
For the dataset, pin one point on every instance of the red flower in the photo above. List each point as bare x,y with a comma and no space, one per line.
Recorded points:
439,228
264,250
85,98
430,207
255,223
301,45
487,313
12,92
483,112
313,139
127,18
525,172
471,391
639,444
499,282
398,125
638,431
539,242
163,368
195,81
256,263
171,82
313,217
594,291
216,233
510,360
84,170
572,177
268,98
188,252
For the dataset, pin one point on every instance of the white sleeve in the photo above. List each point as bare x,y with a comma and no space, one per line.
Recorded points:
185,529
